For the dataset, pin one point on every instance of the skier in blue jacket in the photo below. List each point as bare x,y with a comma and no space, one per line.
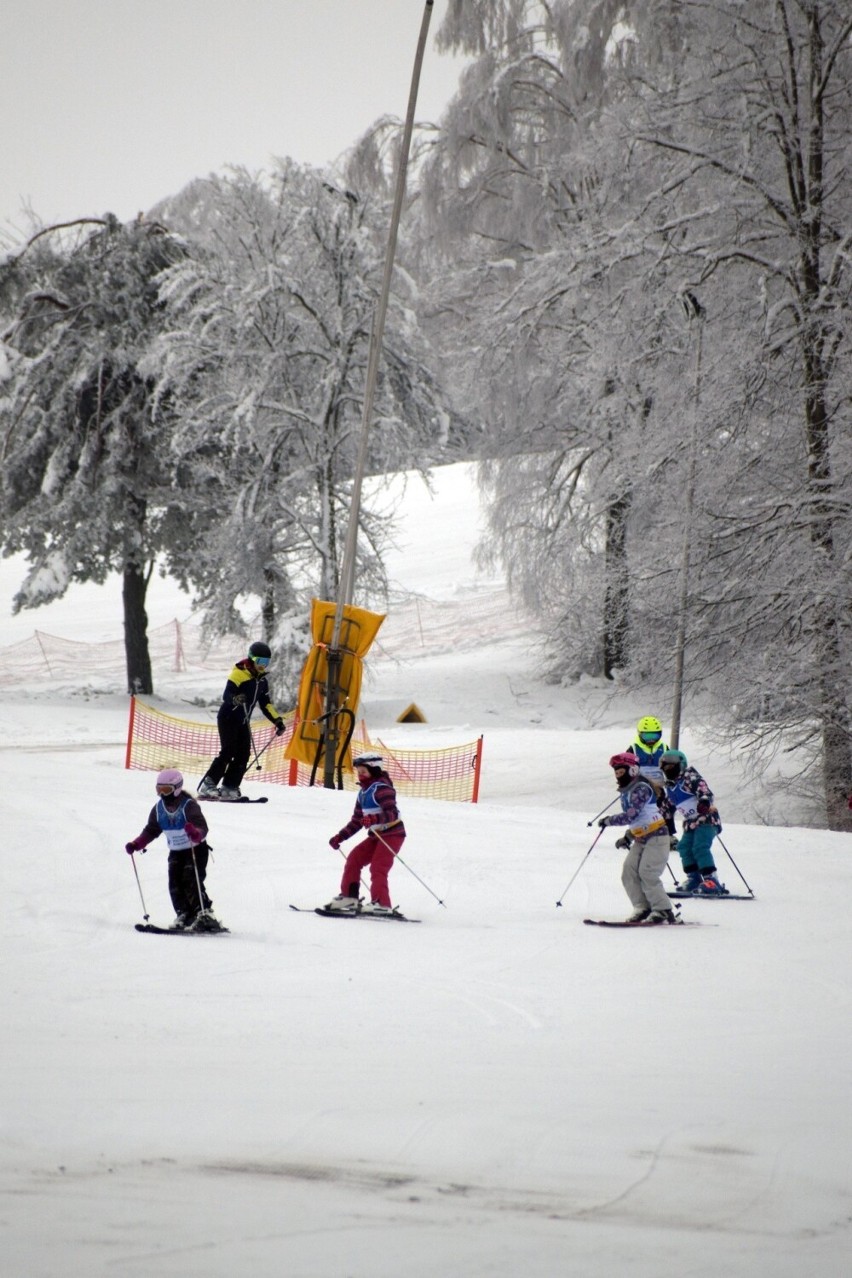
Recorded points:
689,794
177,815
649,747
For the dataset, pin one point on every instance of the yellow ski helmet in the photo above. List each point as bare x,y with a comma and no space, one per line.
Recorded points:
649,730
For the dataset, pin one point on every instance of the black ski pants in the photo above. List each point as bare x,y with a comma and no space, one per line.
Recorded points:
229,766
183,884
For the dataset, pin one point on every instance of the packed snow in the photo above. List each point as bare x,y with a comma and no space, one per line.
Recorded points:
499,1091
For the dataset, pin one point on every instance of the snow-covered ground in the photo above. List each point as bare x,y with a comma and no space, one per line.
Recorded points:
499,1091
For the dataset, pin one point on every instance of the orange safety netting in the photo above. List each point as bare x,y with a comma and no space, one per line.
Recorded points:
156,740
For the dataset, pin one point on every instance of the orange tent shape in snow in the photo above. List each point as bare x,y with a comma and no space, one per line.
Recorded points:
358,629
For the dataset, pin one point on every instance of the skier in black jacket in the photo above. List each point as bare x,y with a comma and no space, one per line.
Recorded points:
245,689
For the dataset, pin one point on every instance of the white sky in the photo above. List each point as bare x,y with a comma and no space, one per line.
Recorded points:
111,105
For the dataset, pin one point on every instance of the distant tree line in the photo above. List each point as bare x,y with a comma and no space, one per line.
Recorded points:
645,215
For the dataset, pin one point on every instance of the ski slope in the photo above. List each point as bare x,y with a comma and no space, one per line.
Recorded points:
497,1092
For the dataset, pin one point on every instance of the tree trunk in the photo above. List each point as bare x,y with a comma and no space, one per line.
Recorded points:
832,697
617,593
267,606
833,709
134,590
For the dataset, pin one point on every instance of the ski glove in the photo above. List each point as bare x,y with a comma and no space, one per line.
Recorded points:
335,841
624,841
604,822
136,845
673,843
193,833
280,728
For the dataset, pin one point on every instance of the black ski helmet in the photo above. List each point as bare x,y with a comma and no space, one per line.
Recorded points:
260,649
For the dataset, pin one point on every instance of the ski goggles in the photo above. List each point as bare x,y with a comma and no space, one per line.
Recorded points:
261,662
650,738
165,790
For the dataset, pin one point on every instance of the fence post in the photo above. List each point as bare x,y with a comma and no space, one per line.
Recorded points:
477,769
128,752
180,656
43,653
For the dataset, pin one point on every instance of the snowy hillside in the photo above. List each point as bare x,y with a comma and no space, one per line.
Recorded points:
499,1091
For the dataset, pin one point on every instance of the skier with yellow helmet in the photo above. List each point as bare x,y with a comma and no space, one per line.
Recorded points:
649,747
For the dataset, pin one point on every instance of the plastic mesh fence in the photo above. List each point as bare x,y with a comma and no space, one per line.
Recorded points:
176,647
156,740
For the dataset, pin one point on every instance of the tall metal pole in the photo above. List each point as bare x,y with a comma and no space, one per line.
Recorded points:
347,572
694,313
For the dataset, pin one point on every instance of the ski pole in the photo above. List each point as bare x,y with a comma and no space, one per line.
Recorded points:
734,864
582,863
397,857
360,880
145,915
259,755
600,814
251,737
202,908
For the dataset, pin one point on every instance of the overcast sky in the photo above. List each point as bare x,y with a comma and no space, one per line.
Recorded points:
110,105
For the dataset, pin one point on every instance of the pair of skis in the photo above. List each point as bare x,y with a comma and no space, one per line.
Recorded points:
218,930
244,798
394,917
642,924
707,896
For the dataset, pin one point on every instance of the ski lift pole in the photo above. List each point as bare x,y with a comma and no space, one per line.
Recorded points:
347,574
693,311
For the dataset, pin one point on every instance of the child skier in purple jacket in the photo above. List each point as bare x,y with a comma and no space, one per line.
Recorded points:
178,815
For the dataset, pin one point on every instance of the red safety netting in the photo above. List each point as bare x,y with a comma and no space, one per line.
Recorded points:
156,740
176,647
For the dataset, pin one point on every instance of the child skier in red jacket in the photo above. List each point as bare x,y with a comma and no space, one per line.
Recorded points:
376,813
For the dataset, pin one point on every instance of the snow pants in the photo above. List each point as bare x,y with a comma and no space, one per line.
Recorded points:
642,871
378,852
231,762
695,850
183,885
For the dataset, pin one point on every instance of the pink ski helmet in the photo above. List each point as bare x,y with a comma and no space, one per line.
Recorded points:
170,777
626,760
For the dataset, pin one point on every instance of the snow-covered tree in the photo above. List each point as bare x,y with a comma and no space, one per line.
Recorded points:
755,134
602,161
565,323
265,361
85,485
